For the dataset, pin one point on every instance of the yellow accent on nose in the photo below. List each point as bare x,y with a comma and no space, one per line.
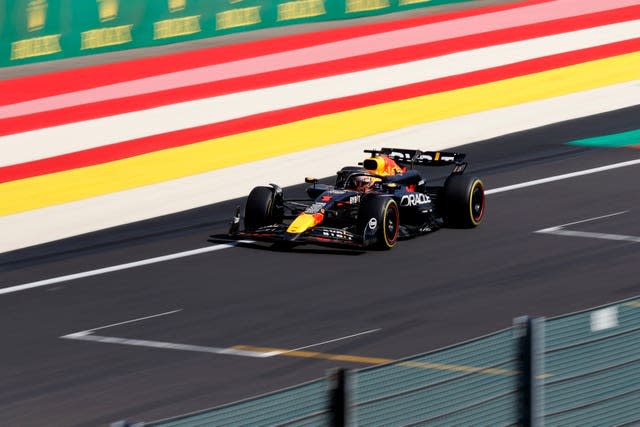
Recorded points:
303,222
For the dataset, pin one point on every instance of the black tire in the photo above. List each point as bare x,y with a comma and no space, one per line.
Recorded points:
384,210
464,201
259,210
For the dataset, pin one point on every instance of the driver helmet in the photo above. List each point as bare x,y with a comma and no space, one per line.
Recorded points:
383,165
364,183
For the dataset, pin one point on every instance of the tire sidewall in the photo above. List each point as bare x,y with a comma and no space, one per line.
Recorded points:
464,201
384,210
476,192
259,209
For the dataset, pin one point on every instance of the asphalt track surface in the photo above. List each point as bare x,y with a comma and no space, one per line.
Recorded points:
426,293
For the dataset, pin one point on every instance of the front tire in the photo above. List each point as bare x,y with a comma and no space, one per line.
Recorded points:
260,208
379,221
464,201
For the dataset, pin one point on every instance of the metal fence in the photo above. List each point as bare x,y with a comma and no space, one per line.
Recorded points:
305,404
453,386
593,367
579,369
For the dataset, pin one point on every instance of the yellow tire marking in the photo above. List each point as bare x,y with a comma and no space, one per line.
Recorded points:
62,187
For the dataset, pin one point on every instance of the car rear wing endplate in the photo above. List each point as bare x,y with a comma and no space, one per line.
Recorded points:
411,157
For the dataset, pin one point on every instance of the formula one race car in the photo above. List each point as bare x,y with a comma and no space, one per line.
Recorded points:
370,206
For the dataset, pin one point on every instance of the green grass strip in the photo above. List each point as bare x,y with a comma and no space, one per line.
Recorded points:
614,140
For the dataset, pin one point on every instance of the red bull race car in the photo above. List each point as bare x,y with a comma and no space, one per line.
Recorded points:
372,205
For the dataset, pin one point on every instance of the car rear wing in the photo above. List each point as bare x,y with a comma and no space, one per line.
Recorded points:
410,157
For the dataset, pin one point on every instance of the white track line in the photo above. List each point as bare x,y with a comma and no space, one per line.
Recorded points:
547,230
591,235
89,336
99,271
563,176
166,313
330,341
168,345
119,267
560,231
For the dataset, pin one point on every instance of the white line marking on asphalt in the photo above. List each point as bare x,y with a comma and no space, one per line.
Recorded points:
330,341
590,235
558,227
99,271
88,336
119,267
564,176
131,321
560,231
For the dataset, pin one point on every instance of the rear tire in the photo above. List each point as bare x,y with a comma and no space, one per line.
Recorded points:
464,201
379,217
260,207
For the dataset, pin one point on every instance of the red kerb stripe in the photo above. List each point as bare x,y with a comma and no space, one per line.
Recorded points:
296,74
188,136
39,86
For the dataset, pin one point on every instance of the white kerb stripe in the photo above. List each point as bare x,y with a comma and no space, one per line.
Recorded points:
113,209
325,52
57,140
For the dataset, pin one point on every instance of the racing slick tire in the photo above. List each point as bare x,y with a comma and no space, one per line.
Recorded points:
464,201
260,208
379,221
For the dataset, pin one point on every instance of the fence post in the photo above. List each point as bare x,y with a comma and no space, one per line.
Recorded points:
338,397
529,333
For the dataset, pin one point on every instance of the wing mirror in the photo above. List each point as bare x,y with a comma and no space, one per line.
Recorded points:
310,180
